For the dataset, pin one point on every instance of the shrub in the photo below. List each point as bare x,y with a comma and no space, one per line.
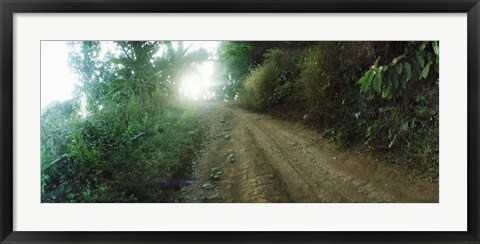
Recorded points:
121,153
259,87
273,83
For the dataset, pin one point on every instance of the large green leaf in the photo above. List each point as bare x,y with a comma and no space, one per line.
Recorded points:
435,47
420,58
375,64
425,70
363,79
422,47
366,80
408,70
370,78
399,68
377,82
387,92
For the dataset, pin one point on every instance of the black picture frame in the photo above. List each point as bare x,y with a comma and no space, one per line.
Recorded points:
9,7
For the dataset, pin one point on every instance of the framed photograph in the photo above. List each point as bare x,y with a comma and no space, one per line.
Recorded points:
239,121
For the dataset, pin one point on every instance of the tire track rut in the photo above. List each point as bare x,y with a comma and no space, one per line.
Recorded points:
279,161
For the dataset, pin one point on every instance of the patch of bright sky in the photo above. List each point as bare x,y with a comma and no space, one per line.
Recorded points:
58,81
210,46
108,47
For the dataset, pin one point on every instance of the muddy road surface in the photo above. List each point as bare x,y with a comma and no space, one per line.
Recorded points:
254,158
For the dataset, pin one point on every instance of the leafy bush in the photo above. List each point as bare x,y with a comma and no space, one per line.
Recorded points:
122,160
391,80
259,86
272,83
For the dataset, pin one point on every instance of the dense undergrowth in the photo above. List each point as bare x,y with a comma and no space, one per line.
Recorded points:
380,97
121,155
123,137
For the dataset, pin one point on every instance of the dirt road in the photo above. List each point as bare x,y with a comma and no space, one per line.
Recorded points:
252,158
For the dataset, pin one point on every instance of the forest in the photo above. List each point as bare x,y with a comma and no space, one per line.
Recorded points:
350,121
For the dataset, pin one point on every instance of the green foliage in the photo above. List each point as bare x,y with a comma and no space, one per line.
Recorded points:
239,61
54,129
240,58
390,80
106,164
135,72
259,87
92,70
319,78
273,82
119,137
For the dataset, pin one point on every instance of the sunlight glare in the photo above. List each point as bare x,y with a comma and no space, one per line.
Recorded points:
192,87
199,86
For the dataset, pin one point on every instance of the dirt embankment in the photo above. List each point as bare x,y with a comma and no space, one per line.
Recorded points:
256,158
